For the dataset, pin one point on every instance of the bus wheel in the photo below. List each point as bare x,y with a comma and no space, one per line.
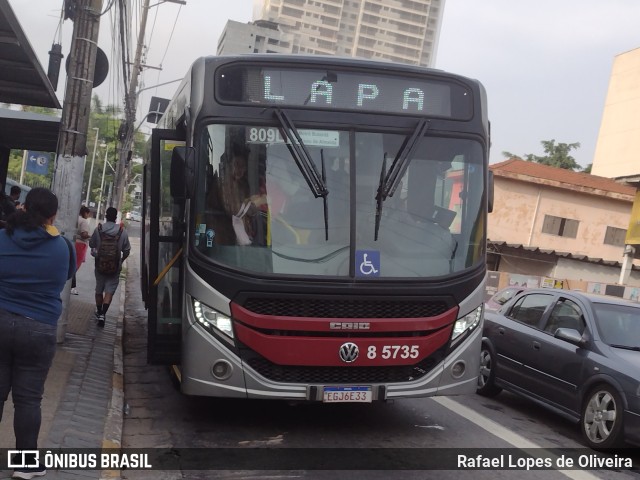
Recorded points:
601,421
486,385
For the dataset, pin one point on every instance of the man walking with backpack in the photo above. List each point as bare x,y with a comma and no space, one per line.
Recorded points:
110,246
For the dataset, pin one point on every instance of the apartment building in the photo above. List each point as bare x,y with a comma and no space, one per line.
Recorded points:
403,31
261,36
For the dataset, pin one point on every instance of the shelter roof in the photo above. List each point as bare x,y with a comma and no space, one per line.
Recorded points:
28,130
22,78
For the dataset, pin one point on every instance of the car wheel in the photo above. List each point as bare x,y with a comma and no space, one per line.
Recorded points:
486,385
601,421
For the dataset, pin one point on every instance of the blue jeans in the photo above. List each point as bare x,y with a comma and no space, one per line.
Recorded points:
27,348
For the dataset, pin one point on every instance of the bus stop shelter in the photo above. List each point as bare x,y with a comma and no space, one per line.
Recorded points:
23,81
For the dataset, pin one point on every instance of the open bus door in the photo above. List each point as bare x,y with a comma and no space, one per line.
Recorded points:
162,240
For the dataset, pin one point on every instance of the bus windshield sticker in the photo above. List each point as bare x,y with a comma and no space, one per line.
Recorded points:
311,138
210,235
367,263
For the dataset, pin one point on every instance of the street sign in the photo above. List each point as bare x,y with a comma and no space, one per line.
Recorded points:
38,162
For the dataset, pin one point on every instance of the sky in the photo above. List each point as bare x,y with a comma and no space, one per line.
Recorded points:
545,64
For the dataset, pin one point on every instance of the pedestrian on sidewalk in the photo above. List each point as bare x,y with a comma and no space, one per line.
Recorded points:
110,246
35,264
82,243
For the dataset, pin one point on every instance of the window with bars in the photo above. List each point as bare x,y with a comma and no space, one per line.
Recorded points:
615,236
563,227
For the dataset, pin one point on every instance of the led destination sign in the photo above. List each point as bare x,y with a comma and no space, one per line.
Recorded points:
340,90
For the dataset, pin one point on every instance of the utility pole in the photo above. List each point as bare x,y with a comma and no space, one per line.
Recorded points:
72,141
127,134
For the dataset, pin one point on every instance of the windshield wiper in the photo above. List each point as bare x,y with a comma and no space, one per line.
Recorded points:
390,180
317,182
626,347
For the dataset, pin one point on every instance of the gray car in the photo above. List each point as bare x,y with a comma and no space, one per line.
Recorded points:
501,297
574,353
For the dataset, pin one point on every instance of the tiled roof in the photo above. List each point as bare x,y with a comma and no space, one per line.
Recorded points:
562,178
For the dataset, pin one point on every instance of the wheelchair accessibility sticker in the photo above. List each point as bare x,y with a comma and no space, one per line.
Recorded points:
367,263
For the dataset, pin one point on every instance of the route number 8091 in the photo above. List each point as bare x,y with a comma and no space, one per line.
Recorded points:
393,351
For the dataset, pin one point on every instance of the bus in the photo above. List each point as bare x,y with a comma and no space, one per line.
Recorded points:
314,229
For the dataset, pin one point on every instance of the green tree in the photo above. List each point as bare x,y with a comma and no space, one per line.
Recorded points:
506,154
556,155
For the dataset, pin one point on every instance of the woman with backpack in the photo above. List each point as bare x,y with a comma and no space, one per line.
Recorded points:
110,246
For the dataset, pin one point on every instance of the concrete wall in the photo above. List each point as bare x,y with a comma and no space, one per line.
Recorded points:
499,280
577,270
517,264
618,148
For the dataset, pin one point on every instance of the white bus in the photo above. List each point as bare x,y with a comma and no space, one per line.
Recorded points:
348,262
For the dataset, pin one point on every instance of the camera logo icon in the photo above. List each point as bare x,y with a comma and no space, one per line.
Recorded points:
23,459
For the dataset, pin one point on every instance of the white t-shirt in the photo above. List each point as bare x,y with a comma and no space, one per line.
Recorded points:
83,226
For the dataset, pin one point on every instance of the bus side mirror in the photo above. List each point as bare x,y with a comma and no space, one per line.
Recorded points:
490,192
182,173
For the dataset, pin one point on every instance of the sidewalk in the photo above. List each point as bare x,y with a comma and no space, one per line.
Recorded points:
83,396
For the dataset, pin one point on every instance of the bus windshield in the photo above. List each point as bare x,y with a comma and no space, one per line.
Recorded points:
255,211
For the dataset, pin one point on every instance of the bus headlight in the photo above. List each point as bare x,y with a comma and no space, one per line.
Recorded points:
467,323
211,319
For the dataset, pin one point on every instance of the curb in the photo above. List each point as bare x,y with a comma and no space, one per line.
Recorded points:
112,437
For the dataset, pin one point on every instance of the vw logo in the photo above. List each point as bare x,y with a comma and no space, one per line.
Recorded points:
349,352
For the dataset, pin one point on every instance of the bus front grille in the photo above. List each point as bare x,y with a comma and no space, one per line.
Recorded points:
338,308
343,375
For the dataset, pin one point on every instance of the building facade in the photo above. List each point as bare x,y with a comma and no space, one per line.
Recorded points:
617,153
261,36
558,223
402,31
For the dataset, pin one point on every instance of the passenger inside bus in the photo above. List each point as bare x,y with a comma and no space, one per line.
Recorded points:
231,191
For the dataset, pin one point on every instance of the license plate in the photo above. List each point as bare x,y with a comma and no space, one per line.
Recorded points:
347,394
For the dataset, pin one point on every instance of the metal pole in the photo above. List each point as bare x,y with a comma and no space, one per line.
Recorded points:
104,169
93,159
24,166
